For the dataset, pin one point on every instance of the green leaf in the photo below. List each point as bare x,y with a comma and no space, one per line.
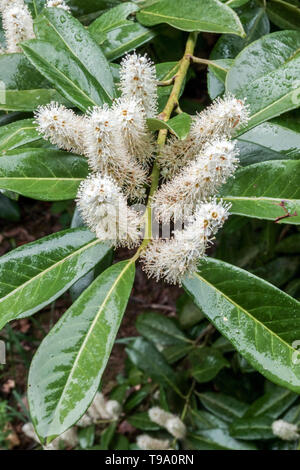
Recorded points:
172,354
260,320
67,368
252,428
289,245
178,125
44,174
206,363
116,34
19,134
272,404
189,314
160,329
284,13
210,16
107,436
235,3
25,87
67,55
225,407
86,437
142,421
147,358
165,71
9,209
277,139
215,439
137,397
37,273
267,74
267,190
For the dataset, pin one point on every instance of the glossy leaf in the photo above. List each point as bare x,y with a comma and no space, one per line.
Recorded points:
142,421
67,55
118,35
189,314
37,273
44,174
67,368
260,320
272,404
19,134
147,358
206,363
178,125
284,13
215,439
274,140
267,74
225,407
210,16
252,428
267,190
160,329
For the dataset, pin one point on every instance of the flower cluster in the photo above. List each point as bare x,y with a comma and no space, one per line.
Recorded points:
119,148
18,23
169,421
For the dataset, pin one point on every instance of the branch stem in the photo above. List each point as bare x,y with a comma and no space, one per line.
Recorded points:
172,104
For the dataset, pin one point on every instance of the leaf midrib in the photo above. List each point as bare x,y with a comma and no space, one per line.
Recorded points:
89,332
239,307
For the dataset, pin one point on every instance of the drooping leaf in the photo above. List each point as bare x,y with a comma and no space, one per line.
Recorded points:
44,174
189,314
37,273
142,421
67,55
268,190
118,35
67,368
210,16
260,320
267,74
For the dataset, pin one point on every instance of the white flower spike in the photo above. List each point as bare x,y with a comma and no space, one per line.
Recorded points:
200,180
173,259
104,208
220,120
62,127
146,442
138,79
285,431
18,26
169,421
57,4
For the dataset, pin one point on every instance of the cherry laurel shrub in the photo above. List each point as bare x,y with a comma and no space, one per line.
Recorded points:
154,170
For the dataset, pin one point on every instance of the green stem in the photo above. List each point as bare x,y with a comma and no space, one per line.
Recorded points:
172,103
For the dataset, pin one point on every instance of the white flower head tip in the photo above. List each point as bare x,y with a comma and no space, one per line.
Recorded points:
173,259
131,121
18,26
200,180
224,117
138,79
62,127
5,4
104,208
285,431
169,421
146,442
176,427
57,4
